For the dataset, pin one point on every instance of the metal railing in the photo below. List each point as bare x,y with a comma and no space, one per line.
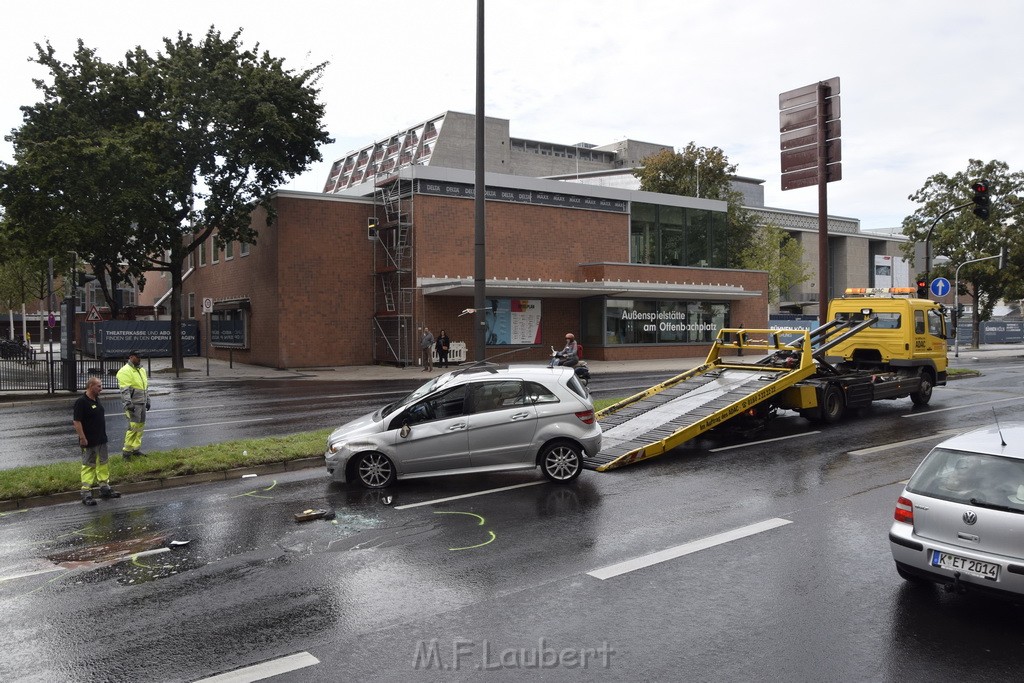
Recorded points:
47,372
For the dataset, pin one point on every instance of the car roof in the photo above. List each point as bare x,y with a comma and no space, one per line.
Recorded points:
483,370
1006,439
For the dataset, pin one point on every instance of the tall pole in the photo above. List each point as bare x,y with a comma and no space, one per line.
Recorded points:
956,303
480,264
823,279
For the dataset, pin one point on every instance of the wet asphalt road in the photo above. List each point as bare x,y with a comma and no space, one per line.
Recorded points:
199,413
488,586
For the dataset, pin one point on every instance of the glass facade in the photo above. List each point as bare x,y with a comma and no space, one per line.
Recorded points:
611,322
677,236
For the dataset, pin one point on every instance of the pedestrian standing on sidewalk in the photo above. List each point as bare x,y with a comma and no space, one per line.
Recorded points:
442,344
134,385
427,349
90,423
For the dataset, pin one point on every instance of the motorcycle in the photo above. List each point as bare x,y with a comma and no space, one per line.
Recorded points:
579,367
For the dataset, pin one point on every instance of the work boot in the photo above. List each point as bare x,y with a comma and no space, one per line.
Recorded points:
126,455
107,492
137,454
87,498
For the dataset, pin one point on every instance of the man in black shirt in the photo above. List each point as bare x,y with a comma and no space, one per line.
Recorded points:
91,424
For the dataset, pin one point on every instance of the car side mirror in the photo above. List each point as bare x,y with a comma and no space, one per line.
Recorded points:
405,431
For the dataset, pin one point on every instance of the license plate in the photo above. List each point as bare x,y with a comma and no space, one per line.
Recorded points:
985,570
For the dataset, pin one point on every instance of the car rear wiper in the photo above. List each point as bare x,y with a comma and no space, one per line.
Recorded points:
995,506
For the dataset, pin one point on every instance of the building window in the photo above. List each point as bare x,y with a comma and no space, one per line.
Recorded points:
229,251
677,236
192,305
214,252
243,248
191,260
202,253
611,322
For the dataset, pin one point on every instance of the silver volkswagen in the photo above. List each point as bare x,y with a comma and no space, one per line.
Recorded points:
484,418
960,519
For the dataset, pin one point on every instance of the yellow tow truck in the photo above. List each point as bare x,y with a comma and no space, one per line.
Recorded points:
878,344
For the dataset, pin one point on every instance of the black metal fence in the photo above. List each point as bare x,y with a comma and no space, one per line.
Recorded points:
35,371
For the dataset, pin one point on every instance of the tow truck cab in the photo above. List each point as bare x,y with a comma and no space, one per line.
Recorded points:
910,332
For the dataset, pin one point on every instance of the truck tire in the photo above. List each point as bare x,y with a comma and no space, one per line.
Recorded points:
924,391
832,404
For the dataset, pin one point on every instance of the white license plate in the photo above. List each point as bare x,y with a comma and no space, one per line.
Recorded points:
985,570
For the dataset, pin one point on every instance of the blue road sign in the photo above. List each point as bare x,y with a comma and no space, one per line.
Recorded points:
940,286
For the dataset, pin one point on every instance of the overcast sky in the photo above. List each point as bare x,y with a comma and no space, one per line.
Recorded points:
925,84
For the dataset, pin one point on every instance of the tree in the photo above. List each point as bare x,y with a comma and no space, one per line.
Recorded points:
963,237
774,250
135,164
701,172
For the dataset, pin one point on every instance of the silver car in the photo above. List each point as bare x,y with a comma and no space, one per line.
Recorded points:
960,519
484,418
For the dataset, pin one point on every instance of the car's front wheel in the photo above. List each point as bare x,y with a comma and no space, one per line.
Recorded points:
561,462
374,470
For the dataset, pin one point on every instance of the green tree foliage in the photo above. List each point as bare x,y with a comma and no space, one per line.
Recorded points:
701,172
963,237
773,249
134,164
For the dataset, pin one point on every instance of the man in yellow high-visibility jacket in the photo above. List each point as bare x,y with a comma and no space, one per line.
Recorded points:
134,385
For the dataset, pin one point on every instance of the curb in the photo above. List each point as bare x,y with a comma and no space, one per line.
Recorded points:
148,485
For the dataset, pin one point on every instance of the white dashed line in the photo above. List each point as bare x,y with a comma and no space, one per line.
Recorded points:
258,672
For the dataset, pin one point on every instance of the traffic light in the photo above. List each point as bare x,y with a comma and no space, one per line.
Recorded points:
981,198
922,288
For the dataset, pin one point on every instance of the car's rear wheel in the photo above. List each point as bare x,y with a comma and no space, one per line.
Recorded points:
374,470
561,462
832,404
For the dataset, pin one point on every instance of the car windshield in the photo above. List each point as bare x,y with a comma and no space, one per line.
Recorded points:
417,394
972,478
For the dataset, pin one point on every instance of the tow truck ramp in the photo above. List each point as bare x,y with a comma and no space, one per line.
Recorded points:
659,419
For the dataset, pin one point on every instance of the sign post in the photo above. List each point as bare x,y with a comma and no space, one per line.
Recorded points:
208,311
811,155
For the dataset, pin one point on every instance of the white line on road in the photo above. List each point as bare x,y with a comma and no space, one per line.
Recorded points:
258,672
208,424
932,411
908,442
35,573
178,410
685,549
754,443
467,495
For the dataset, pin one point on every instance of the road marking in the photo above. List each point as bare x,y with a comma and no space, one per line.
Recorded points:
35,573
258,672
908,442
208,424
183,408
686,549
468,495
942,410
754,443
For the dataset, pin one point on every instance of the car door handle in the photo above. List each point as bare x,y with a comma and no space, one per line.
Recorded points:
520,416
457,427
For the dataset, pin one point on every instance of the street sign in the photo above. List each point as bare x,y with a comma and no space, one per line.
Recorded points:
94,315
809,135
807,156
808,93
207,305
809,176
940,286
807,115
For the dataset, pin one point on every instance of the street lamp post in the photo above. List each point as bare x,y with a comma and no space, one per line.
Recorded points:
956,300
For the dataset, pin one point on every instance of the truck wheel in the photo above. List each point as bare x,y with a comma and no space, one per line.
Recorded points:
924,391
832,404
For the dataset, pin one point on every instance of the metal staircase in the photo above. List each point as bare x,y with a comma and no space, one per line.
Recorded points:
393,329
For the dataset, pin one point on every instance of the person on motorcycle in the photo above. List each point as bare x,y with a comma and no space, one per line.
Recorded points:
568,355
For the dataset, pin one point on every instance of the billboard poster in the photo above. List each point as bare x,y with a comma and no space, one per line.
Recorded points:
512,321
151,338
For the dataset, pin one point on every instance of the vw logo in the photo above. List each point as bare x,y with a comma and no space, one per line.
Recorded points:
970,517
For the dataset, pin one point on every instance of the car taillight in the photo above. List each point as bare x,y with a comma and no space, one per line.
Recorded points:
904,511
586,417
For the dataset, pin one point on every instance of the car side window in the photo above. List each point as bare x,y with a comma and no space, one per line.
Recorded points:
487,396
918,322
538,393
440,406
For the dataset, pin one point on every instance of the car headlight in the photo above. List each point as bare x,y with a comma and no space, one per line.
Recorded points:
333,448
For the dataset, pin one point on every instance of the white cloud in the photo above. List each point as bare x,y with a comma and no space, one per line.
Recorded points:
926,85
